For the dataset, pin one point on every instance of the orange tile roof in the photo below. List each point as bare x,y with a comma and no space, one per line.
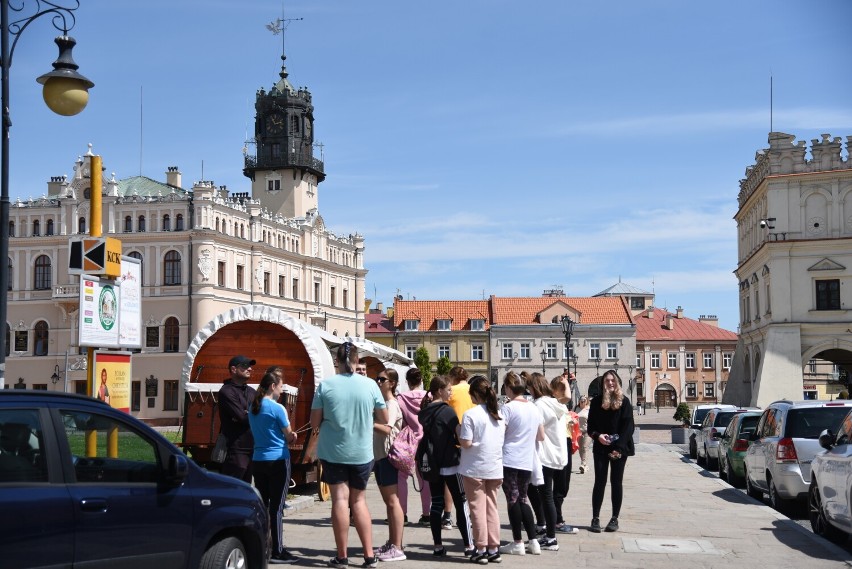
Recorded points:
428,312
592,310
685,329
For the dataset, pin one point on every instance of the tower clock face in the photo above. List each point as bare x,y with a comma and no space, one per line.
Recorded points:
275,123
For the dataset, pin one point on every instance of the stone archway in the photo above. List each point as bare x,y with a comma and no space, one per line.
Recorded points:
665,396
827,371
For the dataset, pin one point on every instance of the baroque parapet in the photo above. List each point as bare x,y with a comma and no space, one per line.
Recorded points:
786,156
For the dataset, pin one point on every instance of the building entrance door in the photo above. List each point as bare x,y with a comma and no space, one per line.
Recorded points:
665,396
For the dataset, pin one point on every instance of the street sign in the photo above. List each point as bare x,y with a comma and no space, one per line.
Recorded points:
94,256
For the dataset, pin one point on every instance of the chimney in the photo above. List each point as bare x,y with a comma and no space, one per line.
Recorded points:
56,185
710,319
173,176
670,321
367,303
679,312
380,307
390,313
651,312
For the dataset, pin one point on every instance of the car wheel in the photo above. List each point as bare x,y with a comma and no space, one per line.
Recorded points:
701,460
755,493
228,553
732,478
723,470
693,448
819,523
776,501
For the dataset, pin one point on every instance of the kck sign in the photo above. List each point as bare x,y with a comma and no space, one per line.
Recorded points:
94,256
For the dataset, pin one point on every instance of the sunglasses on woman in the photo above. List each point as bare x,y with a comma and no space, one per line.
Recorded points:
381,379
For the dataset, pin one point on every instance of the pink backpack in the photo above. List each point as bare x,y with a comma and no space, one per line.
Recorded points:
402,451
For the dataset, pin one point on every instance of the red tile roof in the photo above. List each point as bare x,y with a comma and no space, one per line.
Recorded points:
684,329
592,310
377,323
428,312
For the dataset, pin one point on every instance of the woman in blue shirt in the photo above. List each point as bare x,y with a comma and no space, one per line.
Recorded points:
270,427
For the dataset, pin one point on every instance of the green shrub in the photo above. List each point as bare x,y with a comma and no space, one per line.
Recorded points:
683,414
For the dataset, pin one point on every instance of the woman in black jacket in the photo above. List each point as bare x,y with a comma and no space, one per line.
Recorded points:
439,427
610,426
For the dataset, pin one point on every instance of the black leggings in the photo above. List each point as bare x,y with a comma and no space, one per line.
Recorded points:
515,485
541,499
560,486
436,509
602,464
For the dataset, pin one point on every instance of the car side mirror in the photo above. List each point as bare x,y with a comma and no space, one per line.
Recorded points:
717,436
826,439
696,425
177,470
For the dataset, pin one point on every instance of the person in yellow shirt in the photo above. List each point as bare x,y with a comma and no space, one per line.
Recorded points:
460,402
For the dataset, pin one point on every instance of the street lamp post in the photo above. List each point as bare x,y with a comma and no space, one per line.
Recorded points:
574,359
65,92
597,361
543,360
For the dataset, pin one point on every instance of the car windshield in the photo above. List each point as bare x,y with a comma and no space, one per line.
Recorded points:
808,423
722,419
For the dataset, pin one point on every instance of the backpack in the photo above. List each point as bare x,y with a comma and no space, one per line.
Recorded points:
425,461
403,450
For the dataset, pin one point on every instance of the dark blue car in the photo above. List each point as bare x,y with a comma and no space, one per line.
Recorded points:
85,485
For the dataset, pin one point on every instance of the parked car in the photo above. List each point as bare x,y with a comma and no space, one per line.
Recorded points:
92,486
830,493
733,446
698,414
785,441
710,433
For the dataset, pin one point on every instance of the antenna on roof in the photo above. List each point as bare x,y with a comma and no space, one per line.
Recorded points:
770,101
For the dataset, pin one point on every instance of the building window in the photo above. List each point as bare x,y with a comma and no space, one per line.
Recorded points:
444,351
317,295
345,298
551,351
638,361
611,351
567,351
690,390
220,274
637,303
690,360
672,360
81,225
594,350
152,337
49,227
412,325
171,268
477,352
273,185
36,228
179,222
708,361
640,389
828,294
276,150
295,289
525,351
167,223
508,350
80,387
332,296
444,325
11,229
410,351
170,395
171,334
266,277
22,340
42,275
138,256
128,224
135,395
240,276
140,224
477,325
727,359
655,360
41,338
282,285
709,390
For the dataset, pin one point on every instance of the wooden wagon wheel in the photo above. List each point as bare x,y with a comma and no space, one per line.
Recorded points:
324,490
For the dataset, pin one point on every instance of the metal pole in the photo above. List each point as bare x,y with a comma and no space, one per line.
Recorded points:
4,190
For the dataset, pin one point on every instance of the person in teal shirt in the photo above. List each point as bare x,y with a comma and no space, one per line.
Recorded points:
344,409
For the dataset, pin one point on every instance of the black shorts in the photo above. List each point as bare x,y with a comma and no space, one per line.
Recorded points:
353,475
386,474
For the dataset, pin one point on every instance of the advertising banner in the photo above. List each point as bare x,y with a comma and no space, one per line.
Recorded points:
111,379
111,310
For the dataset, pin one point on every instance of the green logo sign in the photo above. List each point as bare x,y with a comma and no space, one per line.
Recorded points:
107,307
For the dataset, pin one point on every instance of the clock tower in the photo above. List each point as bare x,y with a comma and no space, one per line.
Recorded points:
284,173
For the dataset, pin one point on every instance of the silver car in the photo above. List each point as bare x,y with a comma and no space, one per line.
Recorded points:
778,462
830,494
711,432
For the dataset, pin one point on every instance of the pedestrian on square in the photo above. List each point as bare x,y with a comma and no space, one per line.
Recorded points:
440,425
387,477
583,416
235,396
409,406
343,411
523,428
481,467
361,368
562,481
611,428
553,455
460,402
271,430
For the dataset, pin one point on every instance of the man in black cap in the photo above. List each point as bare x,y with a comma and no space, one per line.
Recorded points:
235,396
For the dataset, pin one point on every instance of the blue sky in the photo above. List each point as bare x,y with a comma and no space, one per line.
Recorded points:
481,147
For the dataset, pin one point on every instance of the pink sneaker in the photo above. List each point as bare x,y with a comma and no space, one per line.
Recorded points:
392,553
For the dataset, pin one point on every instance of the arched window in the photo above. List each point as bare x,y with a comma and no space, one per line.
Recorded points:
42,275
49,228
11,229
167,223
41,337
138,255
242,231
217,224
128,224
81,225
140,226
171,268
171,331
11,274
36,228
294,124
179,222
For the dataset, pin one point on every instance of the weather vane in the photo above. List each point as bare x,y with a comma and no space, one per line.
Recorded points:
279,26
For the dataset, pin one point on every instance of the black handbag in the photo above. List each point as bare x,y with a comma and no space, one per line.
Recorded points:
220,449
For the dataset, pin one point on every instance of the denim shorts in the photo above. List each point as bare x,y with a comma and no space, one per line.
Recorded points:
354,475
386,474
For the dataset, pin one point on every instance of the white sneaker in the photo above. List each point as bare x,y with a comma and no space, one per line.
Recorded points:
534,547
513,548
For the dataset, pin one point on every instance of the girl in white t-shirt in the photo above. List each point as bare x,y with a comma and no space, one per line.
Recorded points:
481,467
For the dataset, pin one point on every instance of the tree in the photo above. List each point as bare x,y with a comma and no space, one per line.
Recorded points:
421,360
444,365
682,414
